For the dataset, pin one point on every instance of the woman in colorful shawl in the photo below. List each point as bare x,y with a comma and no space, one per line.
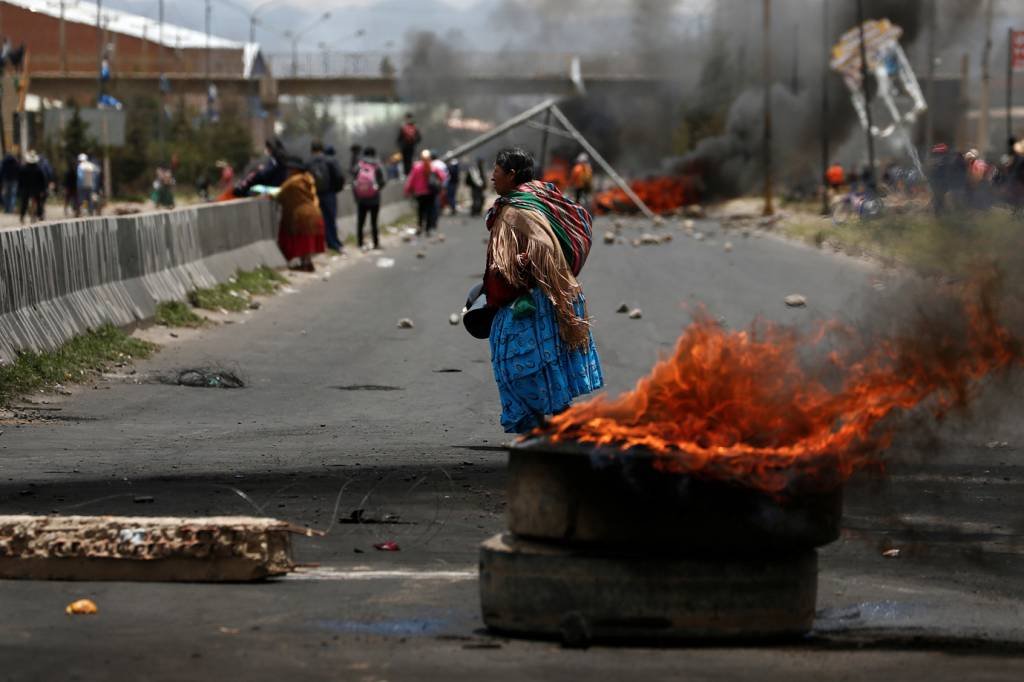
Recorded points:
542,351
301,232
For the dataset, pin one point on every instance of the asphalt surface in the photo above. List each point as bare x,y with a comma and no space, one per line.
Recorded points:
343,409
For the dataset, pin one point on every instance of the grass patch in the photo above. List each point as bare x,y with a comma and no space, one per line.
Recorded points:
235,294
950,244
177,314
75,361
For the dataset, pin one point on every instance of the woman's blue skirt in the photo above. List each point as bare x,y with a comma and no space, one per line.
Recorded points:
536,372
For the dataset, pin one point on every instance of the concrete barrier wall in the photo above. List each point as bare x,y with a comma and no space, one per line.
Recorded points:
62,278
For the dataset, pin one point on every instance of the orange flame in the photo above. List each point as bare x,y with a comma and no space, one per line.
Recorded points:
743,406
557,172
662,195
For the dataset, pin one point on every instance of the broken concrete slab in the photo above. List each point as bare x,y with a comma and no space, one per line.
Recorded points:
152,549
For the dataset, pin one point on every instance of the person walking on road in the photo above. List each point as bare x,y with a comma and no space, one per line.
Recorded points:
366,187
451,188
476,183
31,188
408,138
542,351
581,179
329,181
9,168
86,184
301,233
71,190
425,183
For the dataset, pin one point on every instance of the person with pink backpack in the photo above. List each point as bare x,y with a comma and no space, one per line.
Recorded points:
366,186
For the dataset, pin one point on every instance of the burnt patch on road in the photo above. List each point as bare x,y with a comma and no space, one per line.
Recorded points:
368,387
201,377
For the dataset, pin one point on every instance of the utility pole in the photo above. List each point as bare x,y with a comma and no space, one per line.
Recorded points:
209,103
99,41
985,97
796,59
1009,90
867,96
768,209
929,120
63,42
825,142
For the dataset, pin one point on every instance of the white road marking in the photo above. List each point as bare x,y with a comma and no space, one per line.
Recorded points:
327,573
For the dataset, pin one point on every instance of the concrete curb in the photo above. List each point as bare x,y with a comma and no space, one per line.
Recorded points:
62,278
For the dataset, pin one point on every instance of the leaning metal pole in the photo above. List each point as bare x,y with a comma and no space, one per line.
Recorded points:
499,130
616,178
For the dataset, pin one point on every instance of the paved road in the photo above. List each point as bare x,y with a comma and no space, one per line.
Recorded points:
405,422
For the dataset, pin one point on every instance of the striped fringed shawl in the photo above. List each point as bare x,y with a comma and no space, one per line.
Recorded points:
561,221
570,221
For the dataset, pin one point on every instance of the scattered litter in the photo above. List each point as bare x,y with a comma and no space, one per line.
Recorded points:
666,238
694,211
728,247
204,377
228,631
82,607
421,254
623,308
636,243
453,318
648,238
795,301
389,546
143,499
406,323
254,305
367,387
617,224
391,230
609,237
891,553
172,335
288,290
636,314
991,445
383,262
441,238
688,224
699,236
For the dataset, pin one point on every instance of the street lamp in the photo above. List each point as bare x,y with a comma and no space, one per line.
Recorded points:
253,20
296,36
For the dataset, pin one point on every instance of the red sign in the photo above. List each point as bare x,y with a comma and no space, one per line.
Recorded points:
1017,50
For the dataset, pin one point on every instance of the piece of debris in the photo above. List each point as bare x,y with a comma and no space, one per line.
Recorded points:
666,238
454,318
143,499
728,247
694,211
389,546
991,445
795,301
204,377
140,548
636,314
699,236
609,237
688,224
617,224
385,262
648,238
891,553
636,243
82,607
406,323
623,308
421,254
441,238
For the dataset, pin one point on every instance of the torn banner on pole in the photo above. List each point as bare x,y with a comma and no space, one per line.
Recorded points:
887,63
